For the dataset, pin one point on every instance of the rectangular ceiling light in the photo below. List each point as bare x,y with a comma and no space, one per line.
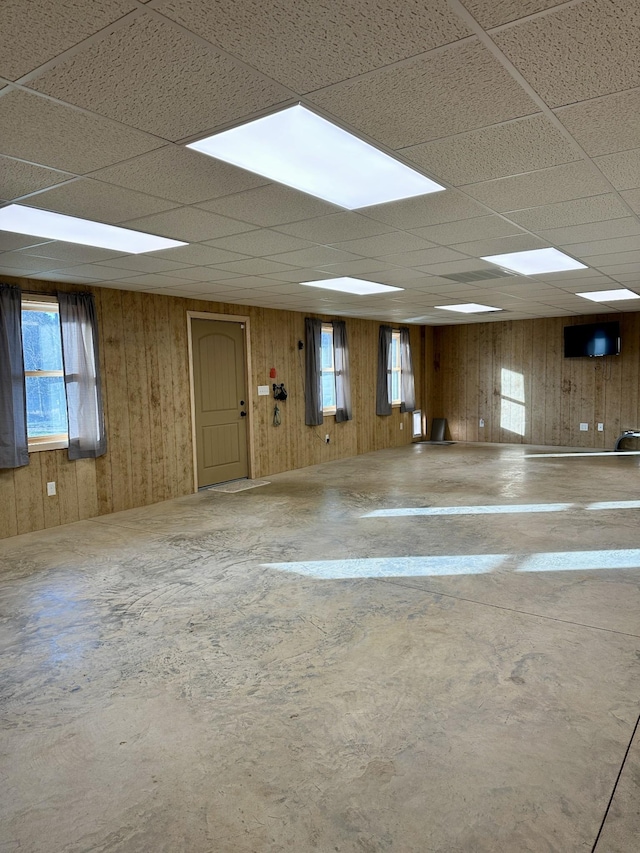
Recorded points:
351,285
609,295
467,308
71,229
301,149
536,261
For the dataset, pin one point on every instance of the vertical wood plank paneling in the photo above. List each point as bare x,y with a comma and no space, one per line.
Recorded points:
29,495
49,474
8,515
559,393
137,398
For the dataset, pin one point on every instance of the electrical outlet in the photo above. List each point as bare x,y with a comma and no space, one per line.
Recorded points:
584,427
51,489
401,426
326,438
481,422
600,427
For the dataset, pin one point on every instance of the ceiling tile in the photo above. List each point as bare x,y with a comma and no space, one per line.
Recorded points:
298,274
33,33
335,227
465,265
18,178
100,202
575,212
359,267
607,260
400,276
42,131
618,269
385,244
433,209
9,241
518,146
314,257
626,227
85,271
439,255
179,174
279,37
547,186
479,228
261,242
492,13
270,205
593,41
156,280
616,245
189,224
71,253
501,245
596,124
460,88
199,255
255,266
152,76
632,197
28,263
622,169
143,264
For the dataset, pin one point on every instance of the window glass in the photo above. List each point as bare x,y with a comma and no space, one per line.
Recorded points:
328,371
44,380
395,371
41,340
46,406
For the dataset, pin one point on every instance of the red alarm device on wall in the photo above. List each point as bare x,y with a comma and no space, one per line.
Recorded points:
272,373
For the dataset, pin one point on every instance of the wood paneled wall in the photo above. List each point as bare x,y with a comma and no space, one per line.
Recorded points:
559,393
145,370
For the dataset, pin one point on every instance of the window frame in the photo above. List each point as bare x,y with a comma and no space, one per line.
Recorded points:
53,441
395,369
327,328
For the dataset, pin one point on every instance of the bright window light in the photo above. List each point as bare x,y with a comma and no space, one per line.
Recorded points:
577,561
467,308
71,229
298,148
346,284
536,261
609,295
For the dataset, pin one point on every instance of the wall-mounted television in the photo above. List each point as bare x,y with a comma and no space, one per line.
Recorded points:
591,340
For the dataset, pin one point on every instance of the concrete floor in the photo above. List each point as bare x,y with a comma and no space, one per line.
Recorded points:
273,670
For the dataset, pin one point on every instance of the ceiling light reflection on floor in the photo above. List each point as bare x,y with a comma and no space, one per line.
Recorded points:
397,567
467,510
577,561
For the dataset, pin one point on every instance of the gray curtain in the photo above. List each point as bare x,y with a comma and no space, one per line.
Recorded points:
87,439
13,400
407,385
383,402
313,372
343,378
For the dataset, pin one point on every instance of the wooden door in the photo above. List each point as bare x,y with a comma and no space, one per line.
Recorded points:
220,397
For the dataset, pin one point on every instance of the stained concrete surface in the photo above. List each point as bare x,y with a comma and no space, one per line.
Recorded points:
190,676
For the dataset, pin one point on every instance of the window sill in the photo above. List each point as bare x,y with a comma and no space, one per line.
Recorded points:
48,445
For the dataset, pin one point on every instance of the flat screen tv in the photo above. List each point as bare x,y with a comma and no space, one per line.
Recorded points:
592,340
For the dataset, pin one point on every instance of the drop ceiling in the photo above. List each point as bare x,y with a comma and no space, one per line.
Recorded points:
527,111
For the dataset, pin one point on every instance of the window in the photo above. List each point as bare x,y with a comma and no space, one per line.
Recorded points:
395,369
328,371
47,426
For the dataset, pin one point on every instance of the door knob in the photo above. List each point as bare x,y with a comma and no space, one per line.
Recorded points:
243,414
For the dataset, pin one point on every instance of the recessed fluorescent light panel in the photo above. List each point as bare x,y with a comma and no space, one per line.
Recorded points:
70,229
298,148
609,295
536,261
358,286
467,308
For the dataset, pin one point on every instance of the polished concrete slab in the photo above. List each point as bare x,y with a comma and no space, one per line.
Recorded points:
285,668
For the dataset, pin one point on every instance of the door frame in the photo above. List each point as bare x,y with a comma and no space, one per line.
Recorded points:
245,321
